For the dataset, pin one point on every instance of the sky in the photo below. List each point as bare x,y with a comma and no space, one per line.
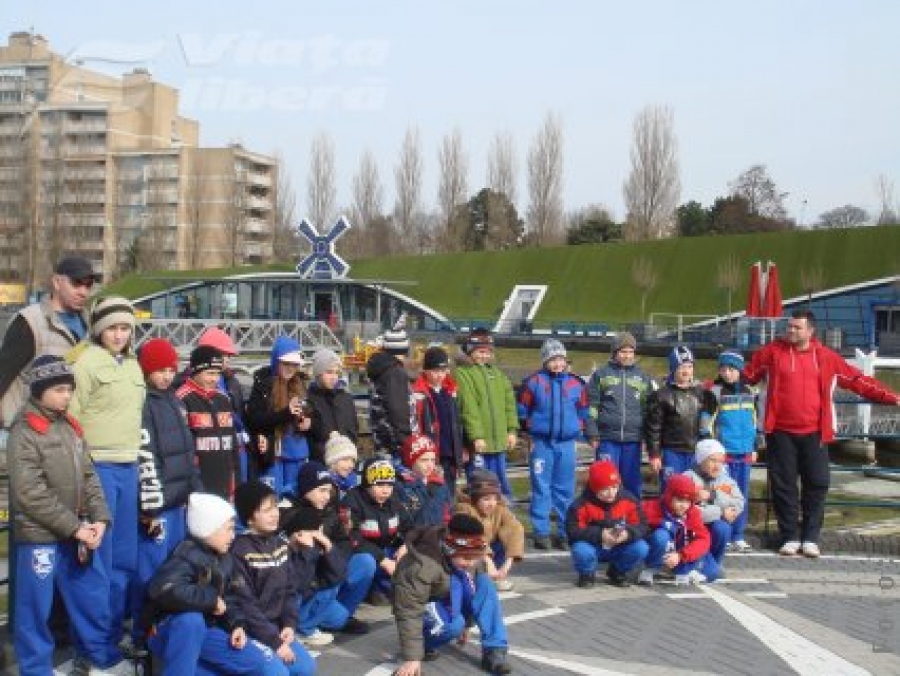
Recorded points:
808,88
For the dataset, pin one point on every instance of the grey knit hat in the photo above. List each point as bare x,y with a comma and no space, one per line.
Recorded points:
323,360
110,311
623,340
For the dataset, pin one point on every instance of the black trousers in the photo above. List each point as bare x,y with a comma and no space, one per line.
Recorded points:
793,456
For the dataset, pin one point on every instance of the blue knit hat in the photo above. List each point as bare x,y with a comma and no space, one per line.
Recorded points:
680,354
732,359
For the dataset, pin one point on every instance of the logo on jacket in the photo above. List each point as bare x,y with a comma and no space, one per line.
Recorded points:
42,561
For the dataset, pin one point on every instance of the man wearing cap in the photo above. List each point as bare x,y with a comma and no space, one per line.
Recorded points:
801,376
618,395
391,410
438,593
52,326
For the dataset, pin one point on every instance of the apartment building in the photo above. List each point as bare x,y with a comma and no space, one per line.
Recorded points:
106,166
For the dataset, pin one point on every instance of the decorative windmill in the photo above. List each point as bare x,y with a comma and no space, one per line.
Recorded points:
322,262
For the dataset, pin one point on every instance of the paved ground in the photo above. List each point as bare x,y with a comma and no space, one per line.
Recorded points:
838,615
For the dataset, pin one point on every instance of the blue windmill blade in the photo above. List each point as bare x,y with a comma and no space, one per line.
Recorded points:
307,230
305,266
338,229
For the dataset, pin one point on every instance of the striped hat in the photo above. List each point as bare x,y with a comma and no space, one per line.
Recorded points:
110,311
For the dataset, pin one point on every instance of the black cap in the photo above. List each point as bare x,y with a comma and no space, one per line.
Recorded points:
75,267
435,358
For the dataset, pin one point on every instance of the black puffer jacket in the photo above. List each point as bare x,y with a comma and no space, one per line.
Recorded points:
168,470
375,527
392,411
333,410
192,580
677,418
260,418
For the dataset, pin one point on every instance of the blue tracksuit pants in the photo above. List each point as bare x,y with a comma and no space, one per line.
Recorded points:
152,553
360,573
118,550
659,541
322,609
40,568
626,456
187,646
625,557
739,468
720,535
673,462
552,471
444,621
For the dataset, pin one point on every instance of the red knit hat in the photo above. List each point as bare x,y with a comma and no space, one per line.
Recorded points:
679,486
415,446
157,354
603,474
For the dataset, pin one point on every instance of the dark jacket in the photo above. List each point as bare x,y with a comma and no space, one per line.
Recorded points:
212,423
374,527
429,503
333,410
588,516
314,569
267,598
428,417
191,580
336,524
261,419
618,398
52,477
391,410
677,418
167,469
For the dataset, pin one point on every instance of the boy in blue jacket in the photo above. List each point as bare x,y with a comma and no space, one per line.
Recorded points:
167,470
553,408
422,488
195,623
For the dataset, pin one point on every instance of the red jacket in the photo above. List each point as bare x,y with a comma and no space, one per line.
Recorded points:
587,517
691,537
776,359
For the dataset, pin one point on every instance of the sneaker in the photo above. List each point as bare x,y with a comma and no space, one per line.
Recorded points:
317,639
694,577
505,585
646,576
493,661
811,550
790,548
561,543
586,580
541,542
741,546
617,578
355,627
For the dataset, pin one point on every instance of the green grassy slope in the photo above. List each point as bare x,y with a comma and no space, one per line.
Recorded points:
594,283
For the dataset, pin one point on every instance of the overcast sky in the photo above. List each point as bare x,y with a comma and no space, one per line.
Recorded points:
810,88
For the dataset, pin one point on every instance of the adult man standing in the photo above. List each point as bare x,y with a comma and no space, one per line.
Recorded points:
618,395
52,326
801,376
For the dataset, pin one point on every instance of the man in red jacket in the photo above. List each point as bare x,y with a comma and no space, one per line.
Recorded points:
801,376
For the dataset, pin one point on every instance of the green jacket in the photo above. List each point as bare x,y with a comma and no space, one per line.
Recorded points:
52,478
487,406
108,402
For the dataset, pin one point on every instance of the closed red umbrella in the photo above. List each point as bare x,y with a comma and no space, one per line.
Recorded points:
772,301
754,294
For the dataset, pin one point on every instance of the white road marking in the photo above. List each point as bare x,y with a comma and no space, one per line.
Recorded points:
508,595
383,669
741,580
574,667
687,595
826,557
767,595
525,617
802,655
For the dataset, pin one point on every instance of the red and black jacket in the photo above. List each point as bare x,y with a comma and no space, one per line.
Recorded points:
588,516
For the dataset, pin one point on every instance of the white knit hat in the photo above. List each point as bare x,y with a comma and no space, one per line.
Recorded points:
206,513
110,311
323,360
339,447
706,448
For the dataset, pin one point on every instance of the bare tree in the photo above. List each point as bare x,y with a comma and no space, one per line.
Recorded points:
235,217
452,187
368,196
545,217
408,179
653,186
888,212
847,216
320,183
285,242
762,194
728,277
501,172
644,276
195,206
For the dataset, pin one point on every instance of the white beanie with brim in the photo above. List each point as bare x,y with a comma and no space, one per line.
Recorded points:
706,448
206,513
339,447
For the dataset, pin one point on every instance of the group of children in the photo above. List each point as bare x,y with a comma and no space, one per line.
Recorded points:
318,531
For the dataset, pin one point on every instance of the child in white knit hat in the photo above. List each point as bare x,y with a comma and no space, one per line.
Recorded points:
341,457
190,607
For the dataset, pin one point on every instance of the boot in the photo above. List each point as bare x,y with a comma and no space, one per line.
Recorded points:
560,542
493,661
542,542
617,578
586,580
